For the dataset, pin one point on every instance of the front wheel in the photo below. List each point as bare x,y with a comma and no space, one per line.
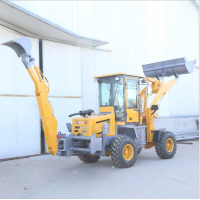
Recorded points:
123,151
88,158
166,147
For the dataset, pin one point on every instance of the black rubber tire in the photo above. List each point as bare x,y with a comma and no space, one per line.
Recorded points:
87,158
117,151
139,150
161,148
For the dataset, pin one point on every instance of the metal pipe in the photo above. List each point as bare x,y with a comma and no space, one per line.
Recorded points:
81,138
187,138
80,149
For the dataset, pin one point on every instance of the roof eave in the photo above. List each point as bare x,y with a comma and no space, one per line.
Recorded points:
18,18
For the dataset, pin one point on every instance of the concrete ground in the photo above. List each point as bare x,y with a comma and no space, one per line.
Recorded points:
151,177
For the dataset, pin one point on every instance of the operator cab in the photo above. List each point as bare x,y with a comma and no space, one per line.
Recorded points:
118,93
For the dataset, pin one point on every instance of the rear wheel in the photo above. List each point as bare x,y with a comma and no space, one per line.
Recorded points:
88,158
124,151
166,147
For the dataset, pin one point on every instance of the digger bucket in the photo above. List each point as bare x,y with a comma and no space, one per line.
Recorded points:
175,67
21,46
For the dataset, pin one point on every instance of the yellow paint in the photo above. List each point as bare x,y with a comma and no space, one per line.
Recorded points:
128,152
120,73
169,145
119,123
98,128
107,109
141,119
162,91
49,122
149,145
132,114
150,125
107,153
94,125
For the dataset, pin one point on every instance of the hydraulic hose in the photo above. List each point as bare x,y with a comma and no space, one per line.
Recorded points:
83,113
74,114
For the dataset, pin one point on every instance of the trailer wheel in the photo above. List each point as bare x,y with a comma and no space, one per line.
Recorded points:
139,150
166,147
124,151
88,158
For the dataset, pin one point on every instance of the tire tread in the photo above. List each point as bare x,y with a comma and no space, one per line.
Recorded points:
83,159
114,151
158,146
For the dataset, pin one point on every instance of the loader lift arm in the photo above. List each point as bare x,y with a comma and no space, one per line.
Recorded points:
158,88
154,72
22,47
147,117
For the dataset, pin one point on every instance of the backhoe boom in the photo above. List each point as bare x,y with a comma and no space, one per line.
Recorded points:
49,121
22,47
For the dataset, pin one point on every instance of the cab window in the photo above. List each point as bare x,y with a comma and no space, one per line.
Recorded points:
131,93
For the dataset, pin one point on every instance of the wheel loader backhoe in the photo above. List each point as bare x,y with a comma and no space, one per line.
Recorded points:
125,123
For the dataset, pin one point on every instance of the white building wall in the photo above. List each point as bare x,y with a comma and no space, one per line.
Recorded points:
139,32
62,67
19,116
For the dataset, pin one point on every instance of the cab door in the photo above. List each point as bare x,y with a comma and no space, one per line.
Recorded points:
131,100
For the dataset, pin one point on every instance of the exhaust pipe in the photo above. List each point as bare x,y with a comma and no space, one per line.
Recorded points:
175,67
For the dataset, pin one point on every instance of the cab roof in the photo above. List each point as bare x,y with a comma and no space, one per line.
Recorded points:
119,74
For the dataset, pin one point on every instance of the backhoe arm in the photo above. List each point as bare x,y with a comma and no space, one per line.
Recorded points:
49,122
22,47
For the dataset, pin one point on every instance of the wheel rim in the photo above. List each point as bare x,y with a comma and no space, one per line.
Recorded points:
169,145
128,152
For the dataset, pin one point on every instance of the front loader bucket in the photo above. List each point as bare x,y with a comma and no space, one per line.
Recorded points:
175,67
21,46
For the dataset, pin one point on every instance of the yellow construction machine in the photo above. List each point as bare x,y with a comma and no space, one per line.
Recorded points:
125,123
